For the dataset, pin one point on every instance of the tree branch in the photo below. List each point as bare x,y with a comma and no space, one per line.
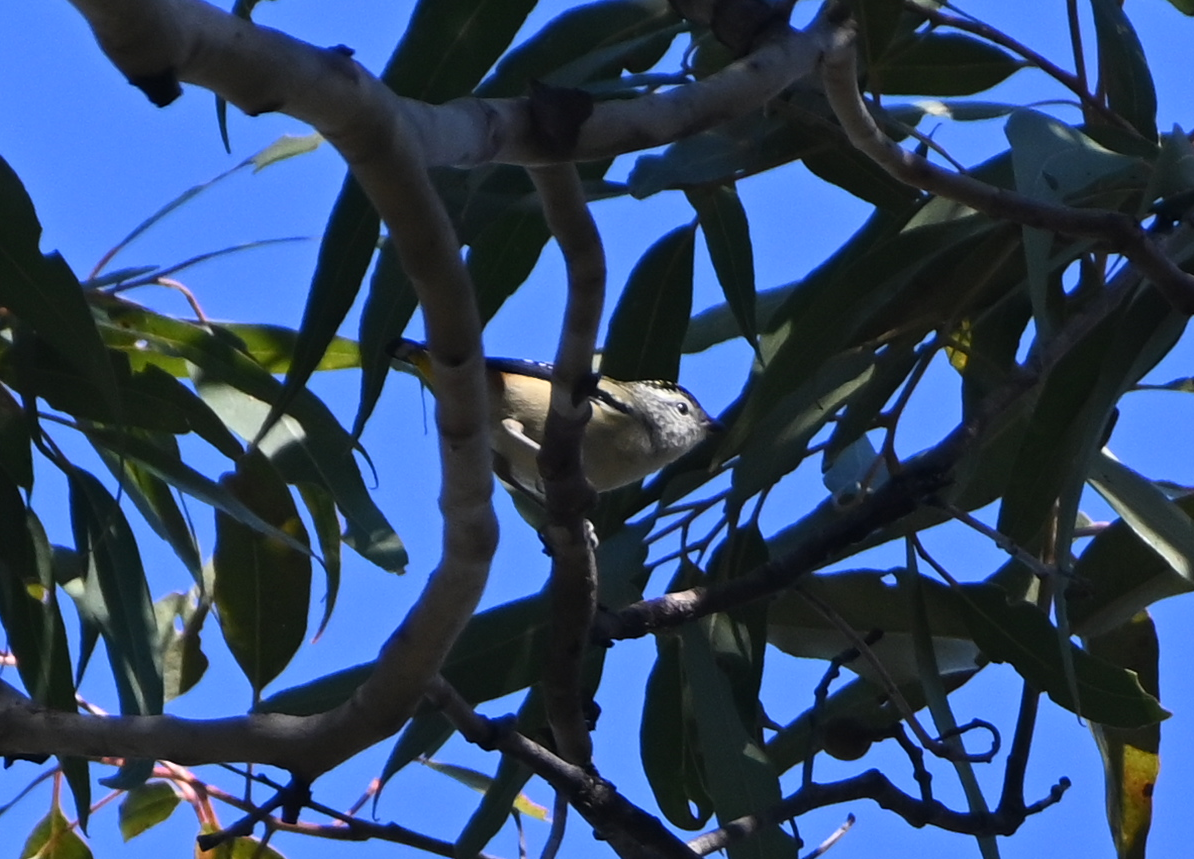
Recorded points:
632,832
1119,232
156,41
573,586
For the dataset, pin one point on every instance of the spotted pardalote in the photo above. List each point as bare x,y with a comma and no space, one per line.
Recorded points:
636,427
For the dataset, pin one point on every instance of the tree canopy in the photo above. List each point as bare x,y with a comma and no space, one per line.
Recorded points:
957,365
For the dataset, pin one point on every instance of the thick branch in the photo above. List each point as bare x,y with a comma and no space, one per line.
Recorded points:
150,40
1117,231
260,69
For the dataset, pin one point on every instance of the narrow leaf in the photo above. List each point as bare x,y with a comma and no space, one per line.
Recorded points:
119,592
43,293
262,585
727,236
1021,634
648,324
1154,518
1131,757
1123,68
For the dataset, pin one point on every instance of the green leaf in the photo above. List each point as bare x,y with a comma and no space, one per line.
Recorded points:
779,442
347,246
309,445
16,453
450,44
871,277
145,807
648,324
718,324
322,509
667,741
1186,7
286,146
271,346
865,600
500,651
262,585
43,293
1019,633
446,48
388,308
1131,756
1121,575
503,255
741,779
1056,163
502,795
945,64
1123,68
878,22
166,465
1071,413
1154,518
573,36
853,171
423,736
55,838
118,593
29,605
183,660
153,499
892,366
743,146
727,236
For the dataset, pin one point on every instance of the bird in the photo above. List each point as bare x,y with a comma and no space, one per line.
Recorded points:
636,427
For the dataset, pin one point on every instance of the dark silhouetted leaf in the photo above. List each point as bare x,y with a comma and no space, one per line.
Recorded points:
941,64
648,325
727,236
1123,69
118,592
1019,633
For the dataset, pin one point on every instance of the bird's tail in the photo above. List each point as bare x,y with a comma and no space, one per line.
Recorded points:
411,356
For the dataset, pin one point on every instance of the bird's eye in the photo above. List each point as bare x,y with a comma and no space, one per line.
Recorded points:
682,407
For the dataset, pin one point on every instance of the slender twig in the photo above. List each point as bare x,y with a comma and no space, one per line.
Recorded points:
875,786
559,822
629,830
833,838
890,688
1071,10
999,539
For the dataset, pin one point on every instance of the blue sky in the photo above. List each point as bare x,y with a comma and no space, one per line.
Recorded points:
97,159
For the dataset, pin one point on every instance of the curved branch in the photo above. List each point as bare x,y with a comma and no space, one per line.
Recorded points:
1119,232
569,495
159,42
